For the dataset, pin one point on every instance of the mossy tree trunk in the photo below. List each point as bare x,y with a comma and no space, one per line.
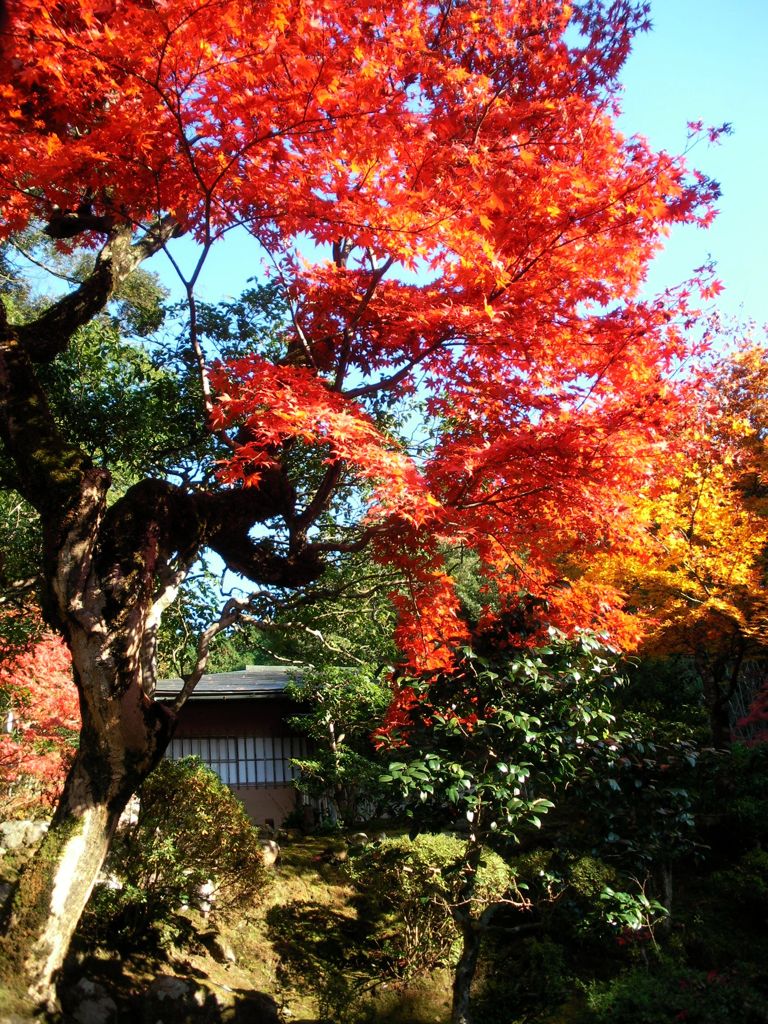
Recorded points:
100,575
464,972
472,922
107,570
57,884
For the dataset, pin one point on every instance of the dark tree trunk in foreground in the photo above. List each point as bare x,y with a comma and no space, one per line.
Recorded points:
464,972
108,571
471,922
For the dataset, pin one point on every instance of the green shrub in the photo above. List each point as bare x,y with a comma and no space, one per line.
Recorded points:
408,888
731,807
746,884
671,993
589,877
340,710
190,830
520,979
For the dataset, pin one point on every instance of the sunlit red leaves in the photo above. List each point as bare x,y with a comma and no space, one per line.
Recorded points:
209,110
487,229
367,119
42,716
429,626
276,404
711,290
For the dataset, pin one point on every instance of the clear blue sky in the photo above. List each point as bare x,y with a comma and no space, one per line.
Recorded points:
704,60
708,60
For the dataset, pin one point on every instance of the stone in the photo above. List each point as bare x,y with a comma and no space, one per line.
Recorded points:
21,837
173,1000
95,1011
270,851
14,834
90,1003
170,988
35,832
205,897
290,835
357,840
258,1008
218,947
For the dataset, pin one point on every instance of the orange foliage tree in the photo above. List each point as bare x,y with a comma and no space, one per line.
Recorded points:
481,233
698,577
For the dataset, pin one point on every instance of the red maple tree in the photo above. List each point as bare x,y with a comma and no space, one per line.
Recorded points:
482,232
41,722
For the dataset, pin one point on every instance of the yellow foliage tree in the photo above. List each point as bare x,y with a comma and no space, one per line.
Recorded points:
698,578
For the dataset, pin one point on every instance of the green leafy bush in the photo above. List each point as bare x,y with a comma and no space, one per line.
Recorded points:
190,831
526,978
746,884
671,993
408,888
340,710
589,877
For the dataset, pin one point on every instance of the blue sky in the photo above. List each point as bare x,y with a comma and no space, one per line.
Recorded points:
708,60
704,60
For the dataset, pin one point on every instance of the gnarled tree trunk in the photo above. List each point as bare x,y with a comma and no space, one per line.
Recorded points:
464,972
58,882
107,573
719,678
123,736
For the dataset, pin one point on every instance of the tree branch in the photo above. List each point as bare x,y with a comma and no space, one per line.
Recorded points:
230,613
44,338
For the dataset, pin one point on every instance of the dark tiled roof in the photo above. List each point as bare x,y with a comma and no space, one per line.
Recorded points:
255,682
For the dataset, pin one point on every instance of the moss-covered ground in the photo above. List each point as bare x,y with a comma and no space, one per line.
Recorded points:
299,944
304,953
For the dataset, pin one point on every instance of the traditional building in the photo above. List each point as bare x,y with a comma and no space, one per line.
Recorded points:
235,723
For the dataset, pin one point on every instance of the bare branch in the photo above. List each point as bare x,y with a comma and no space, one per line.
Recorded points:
230,613
43,266
387,383
164,597
321,499
48,335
